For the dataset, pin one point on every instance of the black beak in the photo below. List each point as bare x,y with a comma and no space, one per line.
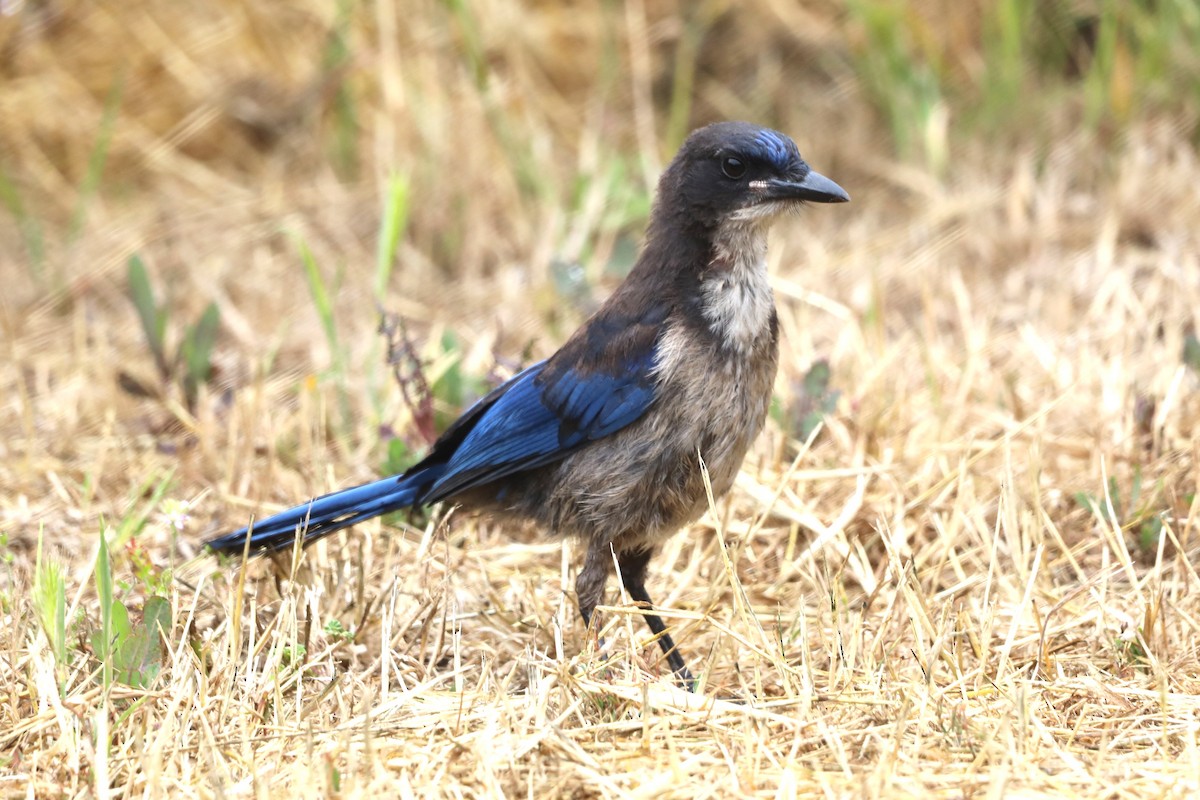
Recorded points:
814,187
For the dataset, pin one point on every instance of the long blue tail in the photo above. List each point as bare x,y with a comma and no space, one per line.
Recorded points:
324,515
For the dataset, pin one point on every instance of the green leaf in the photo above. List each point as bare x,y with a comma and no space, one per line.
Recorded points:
104,587
336,630
113,617
1135,491
28,223
395,220
1114,496
777,412
320,295
454,387
1085,500
816,399
324,306
120,623
98,156
135,520
196,351
156,614
1191,352
1149,533
153,318
50,602
346,125
816,380
132,654
139,656
448,388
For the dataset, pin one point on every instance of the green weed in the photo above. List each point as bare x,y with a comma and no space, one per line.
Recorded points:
191,364
814,400
391,231
337,631
50,605
97,157
903,81
1191,352
1138,512
128,647
154,488
344,142
323,303
28,224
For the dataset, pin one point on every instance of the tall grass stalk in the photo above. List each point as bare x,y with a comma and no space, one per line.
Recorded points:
98,157
323,304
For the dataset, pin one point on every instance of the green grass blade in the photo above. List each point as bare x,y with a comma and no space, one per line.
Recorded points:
153,318
394,223
324,306
319,292
133,522
196,351
31,230
50,601
104,591
98,156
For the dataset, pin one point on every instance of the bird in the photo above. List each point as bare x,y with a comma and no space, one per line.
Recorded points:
607,440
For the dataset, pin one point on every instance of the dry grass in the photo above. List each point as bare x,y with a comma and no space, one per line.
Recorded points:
917,604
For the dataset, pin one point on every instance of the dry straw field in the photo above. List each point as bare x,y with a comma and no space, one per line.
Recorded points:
977,578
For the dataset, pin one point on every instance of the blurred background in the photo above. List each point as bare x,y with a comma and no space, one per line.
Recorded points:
207,208
106,103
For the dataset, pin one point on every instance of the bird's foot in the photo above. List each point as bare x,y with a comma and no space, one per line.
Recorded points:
684,678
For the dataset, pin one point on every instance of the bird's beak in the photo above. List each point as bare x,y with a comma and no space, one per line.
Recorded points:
814,187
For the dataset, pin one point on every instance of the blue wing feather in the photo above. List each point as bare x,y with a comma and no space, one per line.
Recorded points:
542,415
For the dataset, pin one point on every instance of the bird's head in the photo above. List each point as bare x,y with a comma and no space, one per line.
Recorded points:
738,172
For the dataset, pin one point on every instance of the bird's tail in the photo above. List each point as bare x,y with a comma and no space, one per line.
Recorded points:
324,515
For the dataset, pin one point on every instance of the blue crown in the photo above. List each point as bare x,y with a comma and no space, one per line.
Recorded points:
776,148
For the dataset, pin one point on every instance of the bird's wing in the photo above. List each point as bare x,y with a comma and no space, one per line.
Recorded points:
546,412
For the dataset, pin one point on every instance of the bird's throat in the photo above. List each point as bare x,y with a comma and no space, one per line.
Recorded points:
736,297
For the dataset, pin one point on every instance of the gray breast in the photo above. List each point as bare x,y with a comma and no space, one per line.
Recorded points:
643,483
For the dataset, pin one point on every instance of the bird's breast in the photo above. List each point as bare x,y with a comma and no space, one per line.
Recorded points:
644,482
714,398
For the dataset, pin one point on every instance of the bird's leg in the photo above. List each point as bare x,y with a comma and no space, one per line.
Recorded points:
632,564
591,580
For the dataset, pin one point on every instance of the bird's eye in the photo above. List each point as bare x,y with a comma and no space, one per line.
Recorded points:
733,167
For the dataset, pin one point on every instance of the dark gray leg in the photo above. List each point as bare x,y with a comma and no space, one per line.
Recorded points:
591,580
633,565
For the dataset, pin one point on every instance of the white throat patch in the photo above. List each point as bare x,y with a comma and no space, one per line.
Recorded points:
737,297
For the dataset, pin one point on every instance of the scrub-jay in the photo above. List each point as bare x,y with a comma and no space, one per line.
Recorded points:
603,440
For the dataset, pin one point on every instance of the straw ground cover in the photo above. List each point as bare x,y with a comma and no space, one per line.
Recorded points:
976,578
